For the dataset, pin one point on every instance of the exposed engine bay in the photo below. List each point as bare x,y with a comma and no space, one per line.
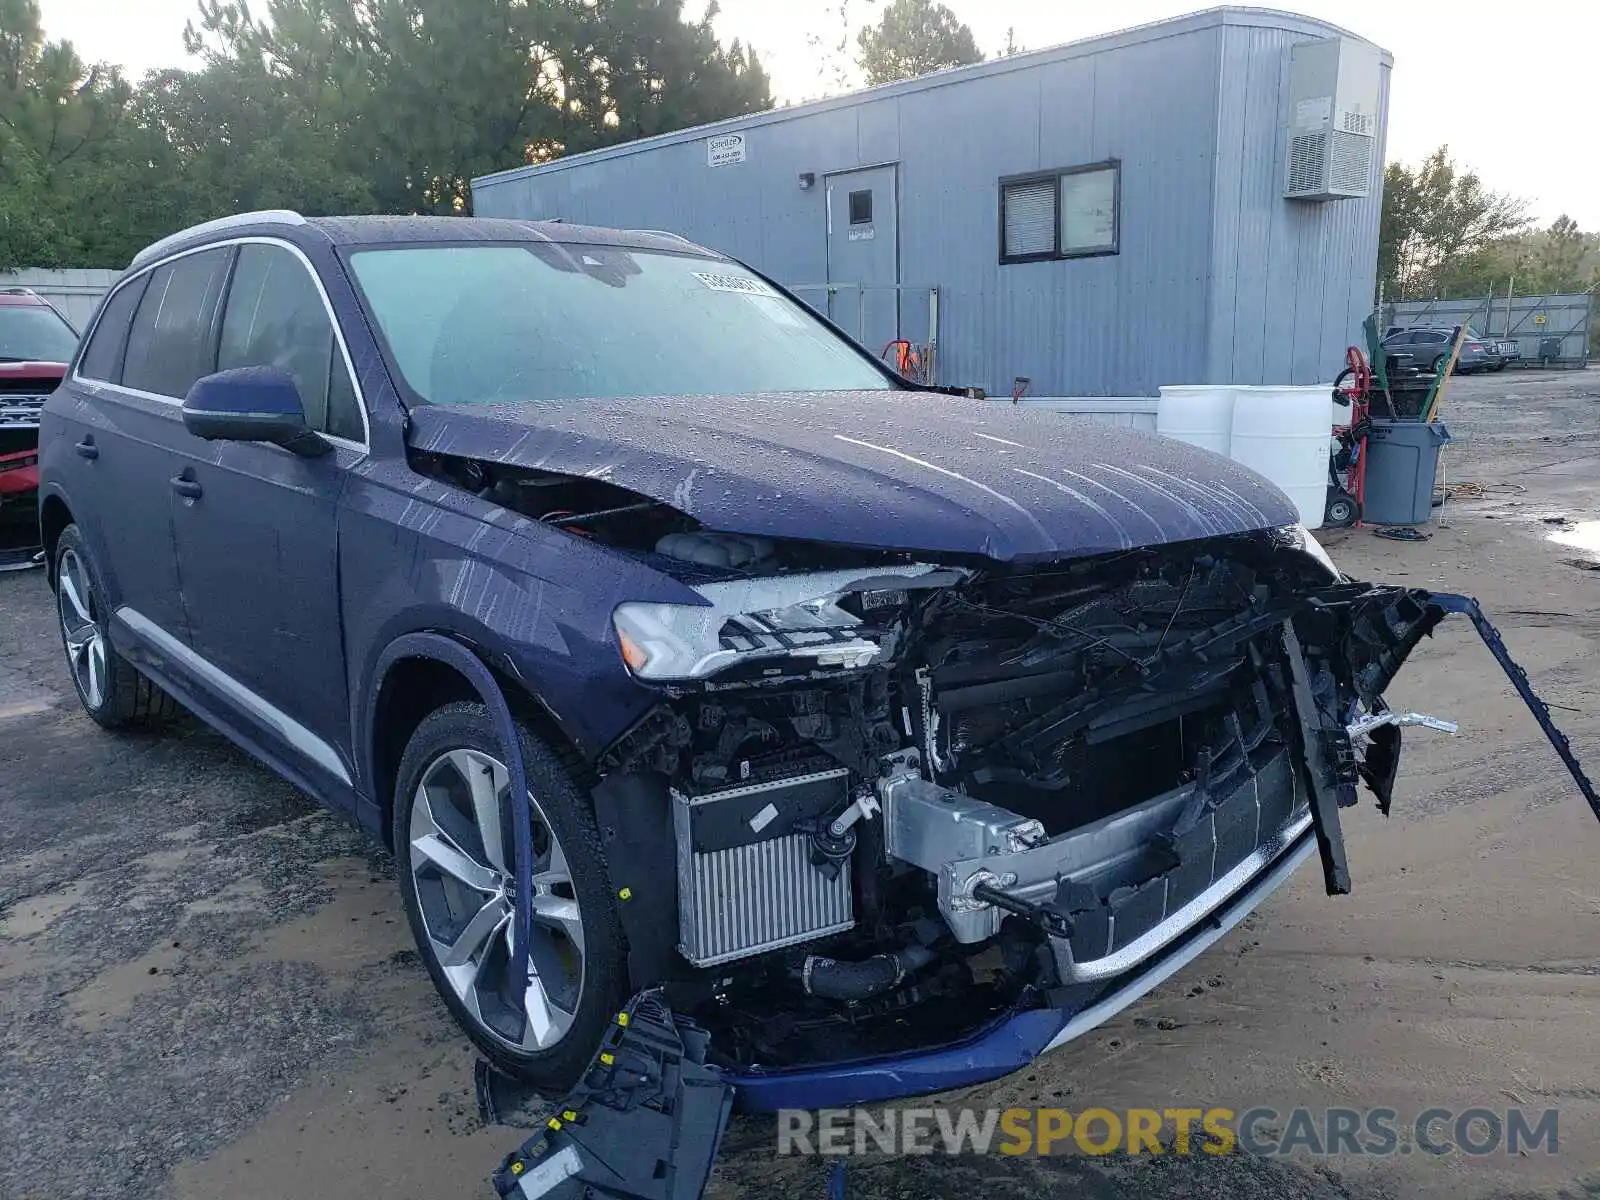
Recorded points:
887,798
906,799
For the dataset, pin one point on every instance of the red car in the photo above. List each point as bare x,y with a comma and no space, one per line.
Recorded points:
36,343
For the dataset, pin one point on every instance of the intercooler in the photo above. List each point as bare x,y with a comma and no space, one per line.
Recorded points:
746,880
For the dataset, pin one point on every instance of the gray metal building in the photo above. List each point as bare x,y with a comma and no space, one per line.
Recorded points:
1193,201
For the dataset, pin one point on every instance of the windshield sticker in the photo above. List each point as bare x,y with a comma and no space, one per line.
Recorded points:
741,284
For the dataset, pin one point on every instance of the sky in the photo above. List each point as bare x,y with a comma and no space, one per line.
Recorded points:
1509,89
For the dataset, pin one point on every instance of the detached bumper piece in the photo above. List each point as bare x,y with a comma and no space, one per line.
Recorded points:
1519,679
1377,629
644,1122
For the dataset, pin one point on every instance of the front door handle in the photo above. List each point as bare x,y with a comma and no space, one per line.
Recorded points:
189,489
87,449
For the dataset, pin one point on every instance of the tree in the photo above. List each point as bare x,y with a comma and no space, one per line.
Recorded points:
419,96
1435,221
1562,258
1011,48
636,68
413,96
57,117
831,50
913,38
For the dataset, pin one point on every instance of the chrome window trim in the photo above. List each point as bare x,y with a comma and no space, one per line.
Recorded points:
269,714
364,446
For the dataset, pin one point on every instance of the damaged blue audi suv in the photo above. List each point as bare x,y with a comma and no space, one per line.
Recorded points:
672,642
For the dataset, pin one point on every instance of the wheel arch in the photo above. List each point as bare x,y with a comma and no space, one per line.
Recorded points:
54,517
477,673
419,673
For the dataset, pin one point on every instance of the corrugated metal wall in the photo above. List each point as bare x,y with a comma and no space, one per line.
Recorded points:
1120,324
1292,280
1218,278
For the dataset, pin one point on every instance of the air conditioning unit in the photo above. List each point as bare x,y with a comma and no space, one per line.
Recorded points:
1334,84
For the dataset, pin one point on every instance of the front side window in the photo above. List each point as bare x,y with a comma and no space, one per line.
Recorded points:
35,333
276,318
171,343
507,322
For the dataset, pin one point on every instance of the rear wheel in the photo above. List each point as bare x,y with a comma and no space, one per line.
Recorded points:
457,865
1438,363
109,688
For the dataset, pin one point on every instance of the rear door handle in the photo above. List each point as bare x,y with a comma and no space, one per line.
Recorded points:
87,449
189,489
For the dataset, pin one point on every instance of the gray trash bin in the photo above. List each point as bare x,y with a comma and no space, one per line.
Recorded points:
1402,463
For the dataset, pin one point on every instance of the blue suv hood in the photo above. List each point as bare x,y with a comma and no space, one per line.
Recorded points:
899,470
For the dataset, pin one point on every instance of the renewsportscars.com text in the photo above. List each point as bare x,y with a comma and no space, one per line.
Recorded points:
1332,1132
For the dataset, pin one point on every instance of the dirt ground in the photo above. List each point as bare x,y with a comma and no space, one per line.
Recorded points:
207,987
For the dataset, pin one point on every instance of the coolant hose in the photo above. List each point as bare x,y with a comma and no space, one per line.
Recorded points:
836,980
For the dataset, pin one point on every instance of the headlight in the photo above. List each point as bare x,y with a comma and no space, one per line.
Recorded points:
1314,548
783,616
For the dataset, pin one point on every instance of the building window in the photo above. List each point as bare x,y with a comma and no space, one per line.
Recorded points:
1028,209
861,208
1070,212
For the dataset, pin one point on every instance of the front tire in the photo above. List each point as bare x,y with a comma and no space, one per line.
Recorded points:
455,856
110,689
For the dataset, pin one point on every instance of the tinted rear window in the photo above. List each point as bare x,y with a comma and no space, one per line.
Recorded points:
173,342
102,357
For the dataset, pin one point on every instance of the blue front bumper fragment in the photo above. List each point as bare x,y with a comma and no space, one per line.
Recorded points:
1010,1043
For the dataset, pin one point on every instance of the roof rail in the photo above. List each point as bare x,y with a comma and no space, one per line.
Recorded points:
270,216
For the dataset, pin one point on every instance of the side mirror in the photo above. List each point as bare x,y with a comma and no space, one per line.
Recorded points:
252,404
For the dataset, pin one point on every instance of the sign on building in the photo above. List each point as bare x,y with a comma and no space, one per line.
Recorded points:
724,150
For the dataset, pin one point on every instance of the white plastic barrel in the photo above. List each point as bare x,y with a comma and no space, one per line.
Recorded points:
1200,414
1282,433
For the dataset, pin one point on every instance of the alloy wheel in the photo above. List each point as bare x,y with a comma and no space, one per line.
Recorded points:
463,865
81,628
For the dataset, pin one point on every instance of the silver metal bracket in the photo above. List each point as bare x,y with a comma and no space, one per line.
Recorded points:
863,807
1365,725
